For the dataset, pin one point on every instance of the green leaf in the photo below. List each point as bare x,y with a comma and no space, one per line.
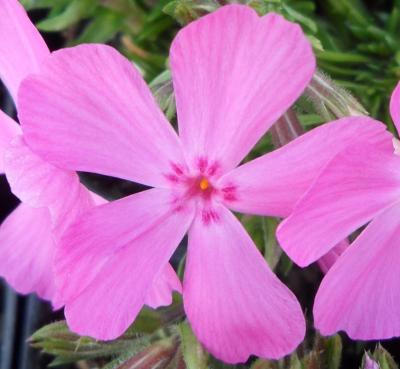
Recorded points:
286,264
262,7
384,359
341,57
42,4
185,11
334,352
157,355
300,18
193,353
55,339
101,29
295,362
307,120
75,11
263,364
148,321
272,250
354,10
53,330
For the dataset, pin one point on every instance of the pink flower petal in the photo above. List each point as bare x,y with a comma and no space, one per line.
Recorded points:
235,304
21,46
90,110
273,183
353,188
360,294
234,75
109,259
395,106
40,184
26,251
9,129
160,293
97,199
325,262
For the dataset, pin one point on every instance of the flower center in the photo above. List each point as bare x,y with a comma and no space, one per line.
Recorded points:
200,186
204,184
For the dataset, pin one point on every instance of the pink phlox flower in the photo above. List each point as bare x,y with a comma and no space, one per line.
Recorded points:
51,197
234,75
360,294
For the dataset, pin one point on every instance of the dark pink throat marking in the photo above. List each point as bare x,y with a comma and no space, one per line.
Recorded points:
200,184
198,181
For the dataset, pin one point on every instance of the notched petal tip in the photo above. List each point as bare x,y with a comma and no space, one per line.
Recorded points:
88,91
236,306
232,86
106,281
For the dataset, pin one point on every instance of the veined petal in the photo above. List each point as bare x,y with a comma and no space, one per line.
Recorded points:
9,129
234,75
395,106
109,259
27,250
40,184
360,294
272,184
235,304
353,188
21,46
89,109
160,293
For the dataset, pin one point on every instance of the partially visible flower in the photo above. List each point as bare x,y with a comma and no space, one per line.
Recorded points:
26,244
370,363
51,197
234,74
360,294
285,130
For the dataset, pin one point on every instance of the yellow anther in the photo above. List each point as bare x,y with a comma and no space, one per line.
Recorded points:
204,184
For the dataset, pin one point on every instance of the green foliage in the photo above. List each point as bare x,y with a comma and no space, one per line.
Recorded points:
164,354
140,29
67,347
59,20
381,357
162,89
193,353
262,230
361,50
325,353
185,11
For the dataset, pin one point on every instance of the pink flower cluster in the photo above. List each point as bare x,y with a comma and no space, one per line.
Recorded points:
87,108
